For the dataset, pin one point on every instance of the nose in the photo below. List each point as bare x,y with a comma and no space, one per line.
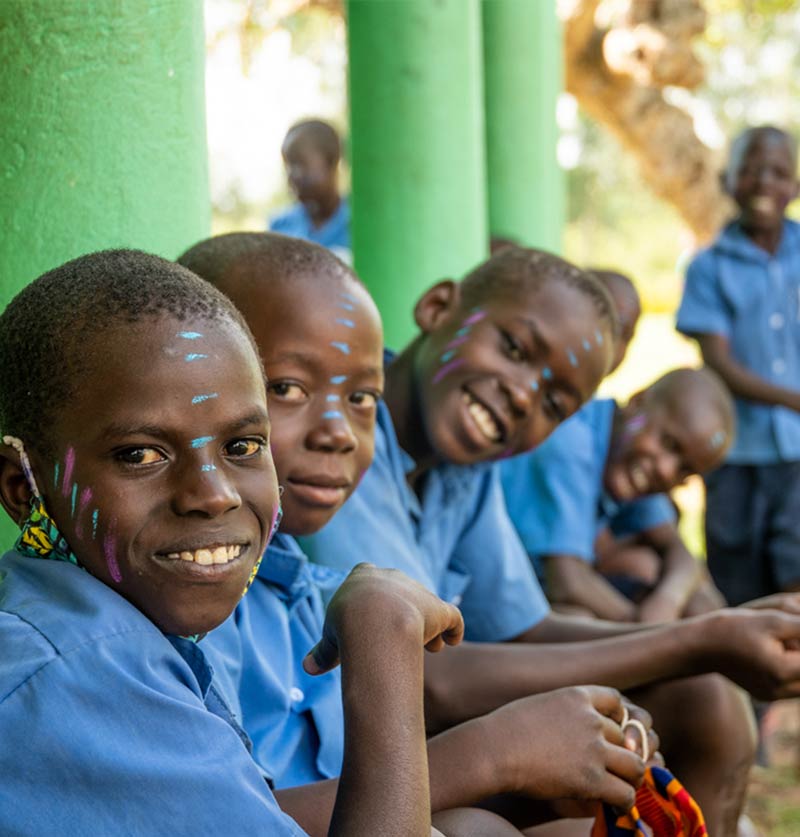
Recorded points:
521,394
204,489
331,433
667,469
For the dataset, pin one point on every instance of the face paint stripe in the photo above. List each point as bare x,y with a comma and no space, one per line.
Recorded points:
69,465
55,476
195,356
332,414
74,498
201,441
189,335
573,360
475,318
547,373
455,342
448,367
344,348
598,338
345,322
95,516
338,379
332,398
347,306
208,468
446,356
587,346
535,386
348,297
463,332
110,551
199,399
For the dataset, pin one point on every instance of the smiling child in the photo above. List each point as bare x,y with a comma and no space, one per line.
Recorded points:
136,462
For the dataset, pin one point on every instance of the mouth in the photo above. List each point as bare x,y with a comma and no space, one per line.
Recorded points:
638,479
763,204
486,421
320,490
205,556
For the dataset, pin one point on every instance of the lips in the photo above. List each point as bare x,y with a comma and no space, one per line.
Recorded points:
487,422
323,490
207,563
763,204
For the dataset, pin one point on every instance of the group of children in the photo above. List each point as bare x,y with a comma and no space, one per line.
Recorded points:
202,455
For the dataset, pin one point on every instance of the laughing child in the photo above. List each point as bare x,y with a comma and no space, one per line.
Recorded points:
501,358
320,340
136,461
611,467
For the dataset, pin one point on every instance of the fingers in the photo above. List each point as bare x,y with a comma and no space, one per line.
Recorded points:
626,765
616,792
607,702
323,657
453,633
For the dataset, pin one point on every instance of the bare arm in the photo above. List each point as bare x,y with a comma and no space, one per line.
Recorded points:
573,581
740,380
680,575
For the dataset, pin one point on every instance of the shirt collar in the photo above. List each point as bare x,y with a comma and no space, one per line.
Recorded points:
284,567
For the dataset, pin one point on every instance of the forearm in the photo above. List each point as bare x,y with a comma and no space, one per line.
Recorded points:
573,581
681,575
311,806
383,788
476,678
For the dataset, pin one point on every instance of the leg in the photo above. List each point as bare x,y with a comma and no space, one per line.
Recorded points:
473,822
705,599
781,483
708,741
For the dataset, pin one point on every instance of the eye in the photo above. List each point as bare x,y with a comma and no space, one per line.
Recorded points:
245,448
286,391
669,443
554,409
364,398
512,348
139,456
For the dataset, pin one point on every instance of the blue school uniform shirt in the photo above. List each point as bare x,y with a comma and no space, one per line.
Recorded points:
333,234
107,726
295,721
555,494
752,298
457,539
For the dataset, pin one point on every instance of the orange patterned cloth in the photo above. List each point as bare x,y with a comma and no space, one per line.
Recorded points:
663,809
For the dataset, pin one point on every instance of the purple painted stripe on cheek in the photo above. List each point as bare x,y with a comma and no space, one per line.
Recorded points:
456,341
69,465
447,368
110,551
475,318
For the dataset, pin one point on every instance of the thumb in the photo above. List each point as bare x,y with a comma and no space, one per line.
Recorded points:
323,657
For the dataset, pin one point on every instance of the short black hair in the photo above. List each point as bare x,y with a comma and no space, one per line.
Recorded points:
45,330
743,141
513,268
245,257
683,382
322,134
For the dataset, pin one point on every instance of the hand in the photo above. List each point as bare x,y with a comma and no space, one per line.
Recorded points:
389,606
658,607
568,743
756,648
787,602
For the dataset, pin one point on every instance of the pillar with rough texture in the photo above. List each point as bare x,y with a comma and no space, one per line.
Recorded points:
522,66
103,137
417,148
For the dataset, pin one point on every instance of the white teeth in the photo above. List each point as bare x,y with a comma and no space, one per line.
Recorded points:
206,557
762,203
638,479
486,423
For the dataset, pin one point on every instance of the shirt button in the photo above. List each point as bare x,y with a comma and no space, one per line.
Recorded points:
776,321
296,694
778,366
455,601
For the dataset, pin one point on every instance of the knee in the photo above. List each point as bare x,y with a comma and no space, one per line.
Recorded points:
473,822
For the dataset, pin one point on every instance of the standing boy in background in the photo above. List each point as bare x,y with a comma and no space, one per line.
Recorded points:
741,302
311,152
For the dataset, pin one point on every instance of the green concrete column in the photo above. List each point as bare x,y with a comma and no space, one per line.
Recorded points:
417,148
523,77
103,133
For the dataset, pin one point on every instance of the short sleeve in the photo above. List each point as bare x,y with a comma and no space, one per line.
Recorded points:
108,739
703,309
553,491
503,598
643,514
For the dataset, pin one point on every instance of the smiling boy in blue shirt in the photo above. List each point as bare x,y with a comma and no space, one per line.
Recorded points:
742,304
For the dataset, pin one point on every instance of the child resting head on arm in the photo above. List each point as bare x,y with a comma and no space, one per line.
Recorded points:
136,462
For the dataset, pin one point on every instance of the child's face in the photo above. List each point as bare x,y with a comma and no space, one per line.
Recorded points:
766,182
322,349
496,380
660,442
163,484
308,170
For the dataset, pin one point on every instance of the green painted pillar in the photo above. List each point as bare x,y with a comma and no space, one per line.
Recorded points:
523,77
417,148
103,137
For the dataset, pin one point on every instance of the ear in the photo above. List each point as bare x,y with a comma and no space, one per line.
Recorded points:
15,493
436,305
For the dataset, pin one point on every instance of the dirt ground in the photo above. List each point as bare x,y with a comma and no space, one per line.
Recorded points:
774,800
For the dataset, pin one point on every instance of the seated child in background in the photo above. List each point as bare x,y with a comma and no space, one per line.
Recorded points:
610,468
741,304
311,153
500,359
320,340
136,461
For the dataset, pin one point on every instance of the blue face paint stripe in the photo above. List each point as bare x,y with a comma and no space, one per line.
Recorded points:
338,379
598,338
344,348
74,497
55,475
462,331
195,356
535,386
190,335
345,322
208,467
348,297
199,399
95,516
446,356
332,398
201,441
347,306
332,414
547,373
587,346
572,359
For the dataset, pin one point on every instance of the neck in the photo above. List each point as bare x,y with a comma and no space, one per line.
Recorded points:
323,208
766,239
401,397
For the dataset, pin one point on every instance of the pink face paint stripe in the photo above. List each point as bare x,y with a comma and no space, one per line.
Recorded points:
69,465
448,367
456,341
110,551
475,318
86,496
